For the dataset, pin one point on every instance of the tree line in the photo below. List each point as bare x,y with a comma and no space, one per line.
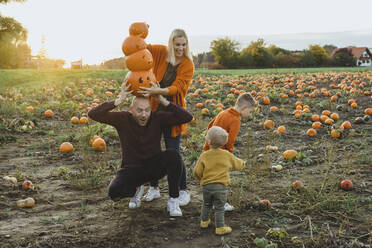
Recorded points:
225,53
15,53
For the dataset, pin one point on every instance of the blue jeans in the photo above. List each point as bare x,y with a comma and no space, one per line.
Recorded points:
173,143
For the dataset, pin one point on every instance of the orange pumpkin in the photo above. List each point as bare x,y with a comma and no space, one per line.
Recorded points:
289,154
274,108
30,109
297,185
74,120
311,132
266,100
346,125
368,111
316,125
140,29
329,121
27,185
133,44
346,185
93,139
282,129
265,204
138,79
199,105
139,61
84,120
335,134
335,116
326,112
315,118
66,147
108,93
48,113
269,124
205,111
99,144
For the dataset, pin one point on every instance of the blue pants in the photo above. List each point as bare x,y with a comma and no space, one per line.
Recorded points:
173,143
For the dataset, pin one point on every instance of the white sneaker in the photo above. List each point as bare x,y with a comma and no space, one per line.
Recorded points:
229,207
184,197
135,201
152,194
173,207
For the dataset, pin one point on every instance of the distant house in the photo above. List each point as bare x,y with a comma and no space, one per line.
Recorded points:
77,64
362,54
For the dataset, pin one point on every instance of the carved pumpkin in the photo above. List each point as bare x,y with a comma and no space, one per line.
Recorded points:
140,78
139,61
133,44
140,29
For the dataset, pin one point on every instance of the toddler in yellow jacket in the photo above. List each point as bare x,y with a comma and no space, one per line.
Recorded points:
212,170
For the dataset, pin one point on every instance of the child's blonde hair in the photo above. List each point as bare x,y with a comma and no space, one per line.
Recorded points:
246,99
217,137
176,33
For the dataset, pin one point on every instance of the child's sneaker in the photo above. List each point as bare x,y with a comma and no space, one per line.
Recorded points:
223,230
152,194
173,207
205,224
135,202
229,207
184,197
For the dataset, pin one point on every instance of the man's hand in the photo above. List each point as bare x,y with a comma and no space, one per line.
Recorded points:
123,94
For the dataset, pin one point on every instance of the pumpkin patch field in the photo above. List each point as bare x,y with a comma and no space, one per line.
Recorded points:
307,147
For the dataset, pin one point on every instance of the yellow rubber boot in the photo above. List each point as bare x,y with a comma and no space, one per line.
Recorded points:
223,230
204,224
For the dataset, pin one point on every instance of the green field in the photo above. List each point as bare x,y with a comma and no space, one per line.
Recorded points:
26,77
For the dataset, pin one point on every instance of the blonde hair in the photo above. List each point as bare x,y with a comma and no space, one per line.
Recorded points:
217,137
246,99
177,33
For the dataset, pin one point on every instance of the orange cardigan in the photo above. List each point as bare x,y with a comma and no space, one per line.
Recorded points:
228,120
179,87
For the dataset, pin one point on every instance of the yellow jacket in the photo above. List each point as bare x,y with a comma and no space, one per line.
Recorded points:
213,166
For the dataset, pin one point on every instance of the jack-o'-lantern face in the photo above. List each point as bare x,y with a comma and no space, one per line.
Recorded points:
140,29
139,61
133,44
138,79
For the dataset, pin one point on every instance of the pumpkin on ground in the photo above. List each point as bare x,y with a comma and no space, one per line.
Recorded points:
346,185
48,113
297,185
66,147
289,154
99,144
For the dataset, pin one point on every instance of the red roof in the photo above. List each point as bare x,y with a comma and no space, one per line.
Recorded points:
355,51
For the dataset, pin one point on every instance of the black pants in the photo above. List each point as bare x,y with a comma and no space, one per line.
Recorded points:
165,163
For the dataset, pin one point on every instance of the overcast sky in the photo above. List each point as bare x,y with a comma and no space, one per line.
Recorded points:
94,29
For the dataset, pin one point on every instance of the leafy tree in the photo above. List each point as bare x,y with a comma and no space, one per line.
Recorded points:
343,57
225,51
260,54
307,59
13,48
7,1
285,60
320,54
329,49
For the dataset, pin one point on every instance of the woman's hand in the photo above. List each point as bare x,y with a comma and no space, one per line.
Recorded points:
123,94
152,91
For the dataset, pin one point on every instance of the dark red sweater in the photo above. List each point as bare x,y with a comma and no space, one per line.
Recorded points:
139,143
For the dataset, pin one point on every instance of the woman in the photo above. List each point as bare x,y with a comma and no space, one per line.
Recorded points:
174,69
